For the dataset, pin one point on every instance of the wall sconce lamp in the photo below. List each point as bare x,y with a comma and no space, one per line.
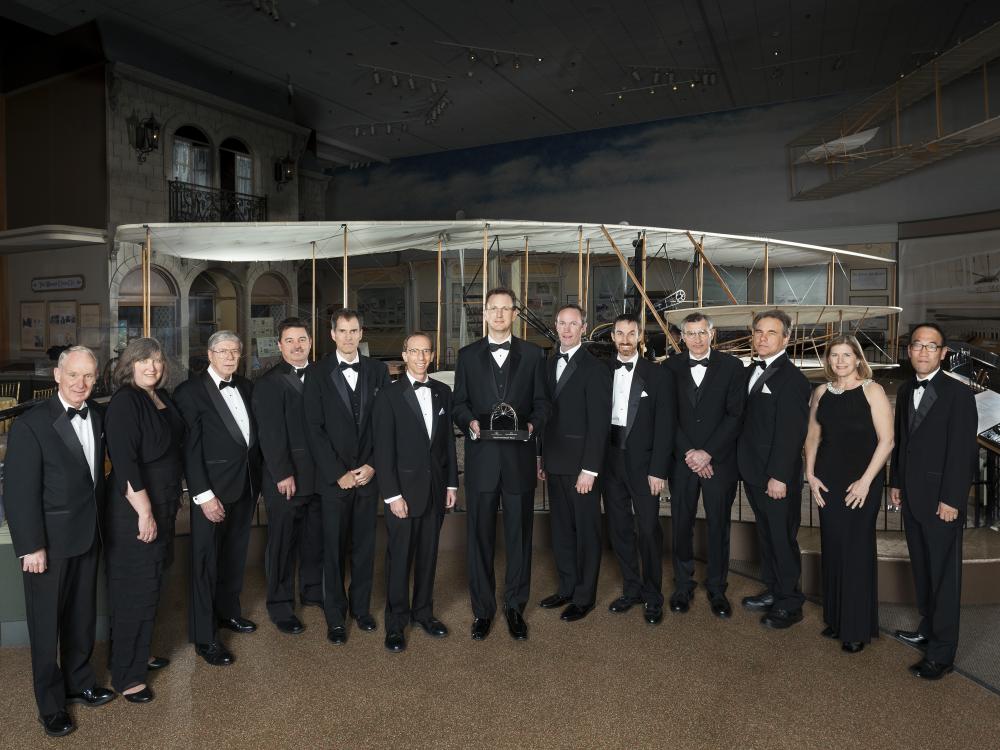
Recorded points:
147,137
284,171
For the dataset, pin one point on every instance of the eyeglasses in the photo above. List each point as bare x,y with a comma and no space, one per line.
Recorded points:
920,346
501,309
228,353
695,334
425,353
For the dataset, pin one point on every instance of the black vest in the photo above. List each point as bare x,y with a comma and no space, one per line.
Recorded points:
355,394
500,375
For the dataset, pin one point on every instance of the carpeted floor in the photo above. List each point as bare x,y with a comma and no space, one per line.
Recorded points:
610,681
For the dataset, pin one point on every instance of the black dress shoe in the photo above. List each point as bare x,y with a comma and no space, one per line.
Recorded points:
829,632
312,603
912,637
214,653
623,604
852,647
779,619
395,641
481,628
337,635
238,624
680,601
366,623
291,625
58,724
931,670
140,696
551,602
157,662
516,625
572,613
92,696
720,606
433,627
653,615
762,602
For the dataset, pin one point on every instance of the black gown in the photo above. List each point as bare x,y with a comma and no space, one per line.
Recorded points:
144,443
849,569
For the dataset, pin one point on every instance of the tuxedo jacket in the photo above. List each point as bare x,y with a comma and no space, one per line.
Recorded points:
709,417
52,501
475,396
935,452
775,424
278,407
338,445
215,455
650,422
576,435
407,461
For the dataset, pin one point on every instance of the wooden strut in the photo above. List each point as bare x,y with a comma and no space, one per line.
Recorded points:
830,279
767,274
345,265
437,337
486,270
147,261
699,248
586,279
579,263
642,292
524,297
315,312
642,312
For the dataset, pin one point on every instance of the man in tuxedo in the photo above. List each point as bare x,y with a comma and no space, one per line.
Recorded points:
54,496
710,397
769,455
932,470
572,456
635,468
294,523
339,394
499,368
417,474
222,465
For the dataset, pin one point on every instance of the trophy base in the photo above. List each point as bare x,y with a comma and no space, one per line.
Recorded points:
506,435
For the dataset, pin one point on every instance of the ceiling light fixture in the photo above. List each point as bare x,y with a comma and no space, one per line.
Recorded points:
472,56
656,78
411,83
496,60
377,77
395,81
636,76
475,51
517,63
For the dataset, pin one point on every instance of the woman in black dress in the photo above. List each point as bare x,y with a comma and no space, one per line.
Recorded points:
144,434
849,441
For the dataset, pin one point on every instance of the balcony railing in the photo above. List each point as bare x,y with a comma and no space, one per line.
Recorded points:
195,203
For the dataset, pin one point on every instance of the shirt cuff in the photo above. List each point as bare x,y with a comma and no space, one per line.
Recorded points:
393,499
454,489
203,497
587,471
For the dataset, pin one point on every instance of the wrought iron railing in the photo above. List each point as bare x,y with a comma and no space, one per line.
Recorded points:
195,203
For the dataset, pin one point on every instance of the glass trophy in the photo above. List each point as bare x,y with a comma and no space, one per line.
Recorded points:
503,425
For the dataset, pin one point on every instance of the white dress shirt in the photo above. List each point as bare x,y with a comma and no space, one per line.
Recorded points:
351,376
561,363
621,391
698,373
758,372
918,393
500,355
84,430
239,411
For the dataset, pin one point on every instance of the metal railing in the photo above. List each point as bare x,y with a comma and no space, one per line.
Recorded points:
195,203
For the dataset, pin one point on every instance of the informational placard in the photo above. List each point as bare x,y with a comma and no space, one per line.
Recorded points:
32,326
267,346
869,279
56,283
90,325
62,323
261,327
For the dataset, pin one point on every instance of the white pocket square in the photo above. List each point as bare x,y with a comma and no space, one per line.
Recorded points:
644,395
441,412
766,390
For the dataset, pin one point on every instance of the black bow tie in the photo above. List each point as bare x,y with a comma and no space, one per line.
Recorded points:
497,347
227,384
922,383
81,413
356,366
699,363
564,356
626,365
417,384
762,364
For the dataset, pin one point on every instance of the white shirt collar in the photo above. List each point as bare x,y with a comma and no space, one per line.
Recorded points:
572,351
414,380
340,358
929,377
216,377
633,360
491,340
66,404
699,359
773,357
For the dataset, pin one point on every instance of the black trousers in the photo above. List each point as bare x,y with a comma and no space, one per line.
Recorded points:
936,559
218,560
294,539
518,525
717,496
576,538
777,533
62,614
412,547
349,519
621,497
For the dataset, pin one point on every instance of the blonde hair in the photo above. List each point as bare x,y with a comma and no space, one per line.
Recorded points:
846,339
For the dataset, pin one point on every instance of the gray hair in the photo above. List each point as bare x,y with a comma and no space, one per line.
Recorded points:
78,349
220,336
697,317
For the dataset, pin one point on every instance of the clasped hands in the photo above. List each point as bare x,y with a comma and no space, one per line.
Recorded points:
700,462
356,477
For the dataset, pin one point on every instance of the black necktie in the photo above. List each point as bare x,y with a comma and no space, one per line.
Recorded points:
626,365
417,384
699,363
922,383
81,413
226,384
356,366
565,357
497,347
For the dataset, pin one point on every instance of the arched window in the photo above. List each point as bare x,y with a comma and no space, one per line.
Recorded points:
192,156
163,309
270,302
235,167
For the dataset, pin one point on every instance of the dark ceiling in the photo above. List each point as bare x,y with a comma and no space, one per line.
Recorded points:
601,63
